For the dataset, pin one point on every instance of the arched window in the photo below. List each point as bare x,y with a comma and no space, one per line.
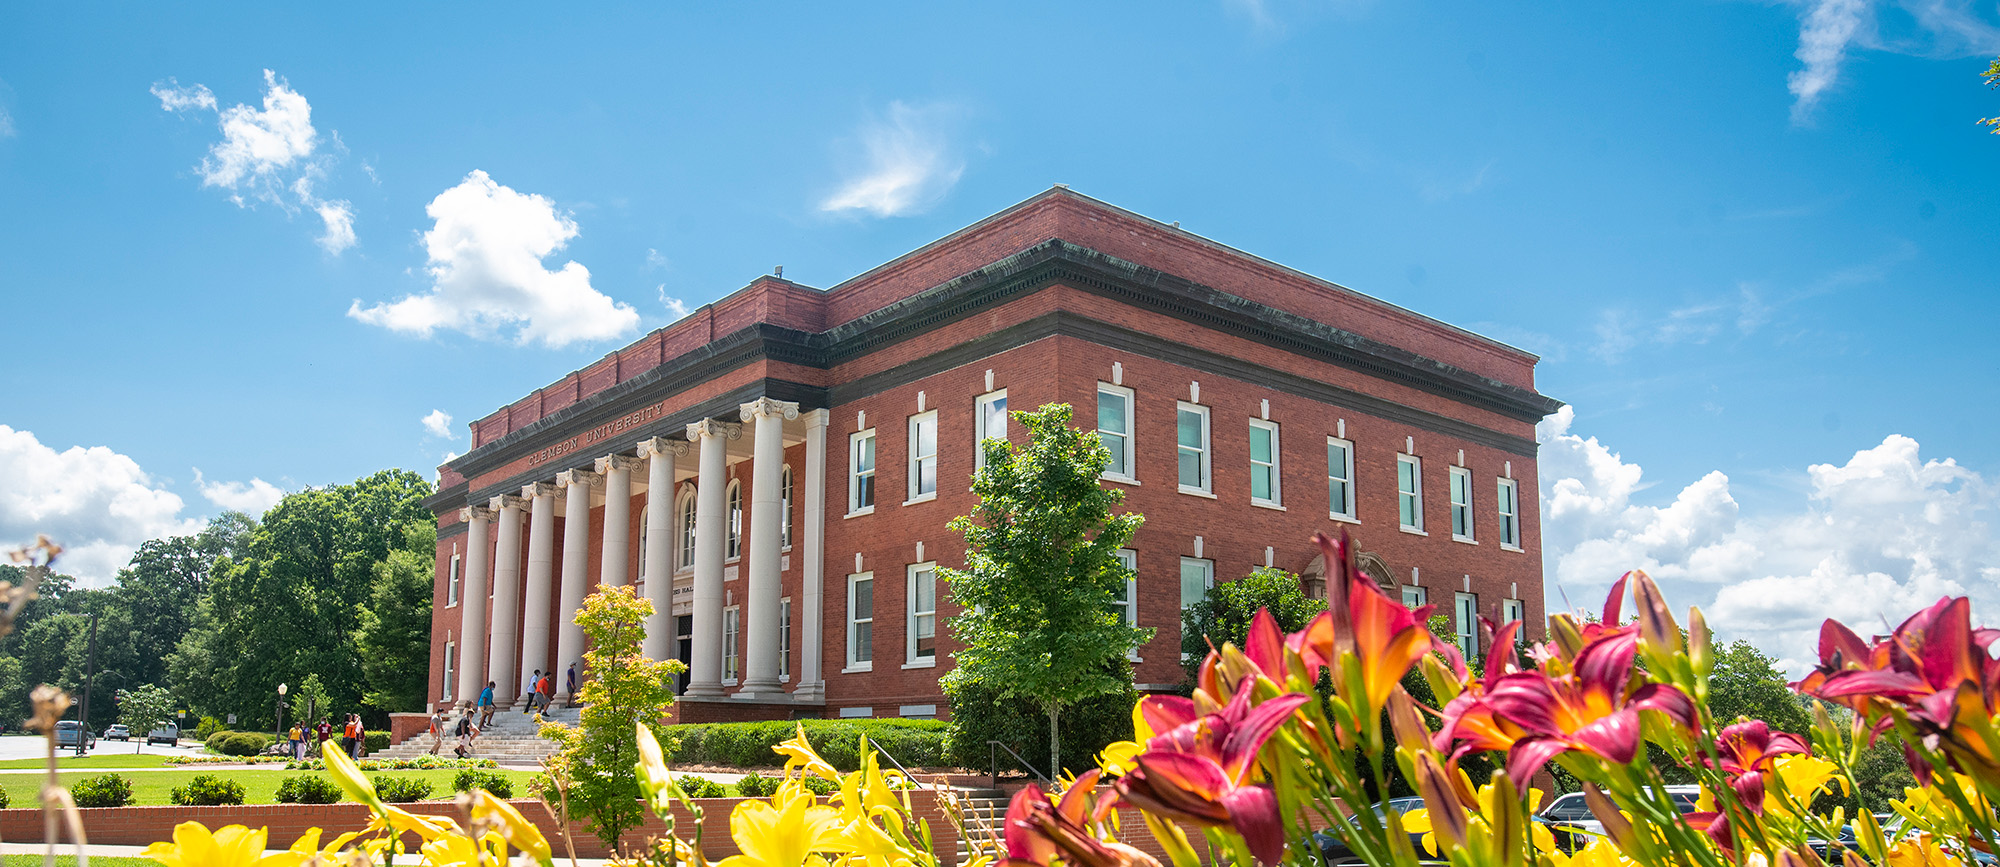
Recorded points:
785,522
684,525
734,494
642,541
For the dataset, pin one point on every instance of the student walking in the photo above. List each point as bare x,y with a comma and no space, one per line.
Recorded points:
325,733
466,731
351,736
569,684
486,705
437,731
295,744
534,691
546,689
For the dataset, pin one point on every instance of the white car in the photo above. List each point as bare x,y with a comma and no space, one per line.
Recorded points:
164,733
1570,818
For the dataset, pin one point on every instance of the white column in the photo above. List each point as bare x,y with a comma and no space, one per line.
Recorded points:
505,636
576,485
658,570
472,622
537,589
705,665
812,679
767,462
617,470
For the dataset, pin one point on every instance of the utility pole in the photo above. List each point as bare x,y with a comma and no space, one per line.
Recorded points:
89,674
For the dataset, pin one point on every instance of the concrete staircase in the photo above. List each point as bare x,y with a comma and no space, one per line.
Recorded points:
512,739
984,810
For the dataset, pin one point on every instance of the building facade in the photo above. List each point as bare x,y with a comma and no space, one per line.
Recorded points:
775,471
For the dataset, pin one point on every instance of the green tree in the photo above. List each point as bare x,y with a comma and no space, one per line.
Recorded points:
1039,622
143,709
163,587
395,634
592,767
1747,683
1224,612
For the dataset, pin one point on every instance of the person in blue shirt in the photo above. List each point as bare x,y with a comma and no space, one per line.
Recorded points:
486,705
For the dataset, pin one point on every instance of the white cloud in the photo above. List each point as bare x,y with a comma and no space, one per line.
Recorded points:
1830,29
269,154
6,124
251,498
96,502
173,97
908,164
1869,542
654,259
675,306
438,423
486,251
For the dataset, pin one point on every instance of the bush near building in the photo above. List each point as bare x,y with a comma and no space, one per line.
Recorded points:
308,789
207,790
228,743
915,743
107,790
494,783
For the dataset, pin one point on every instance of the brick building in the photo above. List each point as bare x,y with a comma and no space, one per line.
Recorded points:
775,470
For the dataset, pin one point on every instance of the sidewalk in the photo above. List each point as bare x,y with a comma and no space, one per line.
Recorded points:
96,851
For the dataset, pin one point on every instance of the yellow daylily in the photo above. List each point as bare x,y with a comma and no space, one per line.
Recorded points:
514,827
1921,850
1600,853
1803,776
229,846
1418,821
869,844
1117,758
800,755
459,850
787,835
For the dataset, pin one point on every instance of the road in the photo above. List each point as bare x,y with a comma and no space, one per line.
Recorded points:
14,746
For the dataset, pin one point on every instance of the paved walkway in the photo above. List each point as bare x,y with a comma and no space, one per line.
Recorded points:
96,851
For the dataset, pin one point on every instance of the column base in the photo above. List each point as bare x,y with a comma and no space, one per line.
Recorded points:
703,691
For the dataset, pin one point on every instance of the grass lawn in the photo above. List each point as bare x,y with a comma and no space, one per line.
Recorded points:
97,759
70,861
153,788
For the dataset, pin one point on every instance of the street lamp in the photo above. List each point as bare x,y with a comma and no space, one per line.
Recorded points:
281,711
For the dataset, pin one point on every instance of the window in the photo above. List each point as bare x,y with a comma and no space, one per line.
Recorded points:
1191,430
785,639
785,503
1461,503
1467,623
861,472
923,455
861,621
1196,577
684,524
1414,596
1126,602
643,512
1263,462
450,668
451,589
1410,492
734,494
989,420
1114,427
1510,514
1340,478
1512,610
923,614
732,618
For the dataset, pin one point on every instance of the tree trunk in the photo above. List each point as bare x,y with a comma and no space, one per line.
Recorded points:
1055,746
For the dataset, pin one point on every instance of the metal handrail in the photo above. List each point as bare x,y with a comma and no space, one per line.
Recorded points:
993,763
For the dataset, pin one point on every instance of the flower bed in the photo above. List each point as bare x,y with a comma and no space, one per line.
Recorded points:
419,763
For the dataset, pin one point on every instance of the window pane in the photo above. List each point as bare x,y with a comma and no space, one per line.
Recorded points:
867,461
926,637
1190,469
927,476
1190,429
865,492
864,599
927,437
1194,581
1260,444
926,591
1111,412
1406,477
864,642
996,417
1260,482
1116,443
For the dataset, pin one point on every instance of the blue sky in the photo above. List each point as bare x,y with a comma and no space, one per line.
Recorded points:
1748,239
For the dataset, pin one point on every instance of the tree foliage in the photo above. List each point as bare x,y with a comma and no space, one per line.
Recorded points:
143,709
395,633
1224,612
1038,621
592,768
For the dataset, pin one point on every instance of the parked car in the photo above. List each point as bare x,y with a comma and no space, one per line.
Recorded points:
164,733
69,733
118,732
1570,818
1333,851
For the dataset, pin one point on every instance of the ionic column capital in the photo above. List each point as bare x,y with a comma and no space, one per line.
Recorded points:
767,406
627,463
475,513
538,489
709,427
662,446
508,501
585,478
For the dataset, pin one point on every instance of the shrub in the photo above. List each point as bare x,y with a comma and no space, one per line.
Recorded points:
375,742
820,785
3,798
209,725
701,787
402,790
206,790
495,784
754,785
308,790
109,790
230,743
916,743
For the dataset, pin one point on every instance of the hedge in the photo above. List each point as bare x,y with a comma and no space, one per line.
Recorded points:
228,743
915,743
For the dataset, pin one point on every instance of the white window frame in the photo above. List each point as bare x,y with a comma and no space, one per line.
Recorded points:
785,640
1206,450
1507,497
1277,498
1208,577
1130,604
1512,610
915,463
1416,596
1465,623
1344,509
732,516
732,660
1128,455
785,505
1461,512
450,670
983,422
855,625
1414,497
855,474
684,536
451,587
644,510
911,616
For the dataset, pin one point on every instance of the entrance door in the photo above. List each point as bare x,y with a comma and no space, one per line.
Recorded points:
683,648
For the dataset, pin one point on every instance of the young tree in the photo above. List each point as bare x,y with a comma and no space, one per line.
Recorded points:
592,767
1224,612
1042,575
144,709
